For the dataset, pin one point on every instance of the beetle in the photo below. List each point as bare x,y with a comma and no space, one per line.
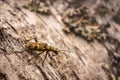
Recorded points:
42,47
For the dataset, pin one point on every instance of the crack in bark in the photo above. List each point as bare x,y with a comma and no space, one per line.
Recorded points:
43,73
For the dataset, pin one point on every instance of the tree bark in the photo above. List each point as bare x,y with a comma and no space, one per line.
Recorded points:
83,61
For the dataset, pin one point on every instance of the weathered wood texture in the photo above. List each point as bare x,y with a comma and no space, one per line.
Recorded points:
85,61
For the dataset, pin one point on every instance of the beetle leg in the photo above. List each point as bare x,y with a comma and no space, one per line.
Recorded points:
16,52
35,56
45,58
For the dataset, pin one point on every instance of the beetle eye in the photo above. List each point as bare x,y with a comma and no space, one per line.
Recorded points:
35,47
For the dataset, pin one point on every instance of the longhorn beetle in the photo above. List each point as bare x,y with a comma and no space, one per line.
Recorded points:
43,47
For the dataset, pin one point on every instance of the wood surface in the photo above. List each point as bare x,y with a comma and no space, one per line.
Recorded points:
83,61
